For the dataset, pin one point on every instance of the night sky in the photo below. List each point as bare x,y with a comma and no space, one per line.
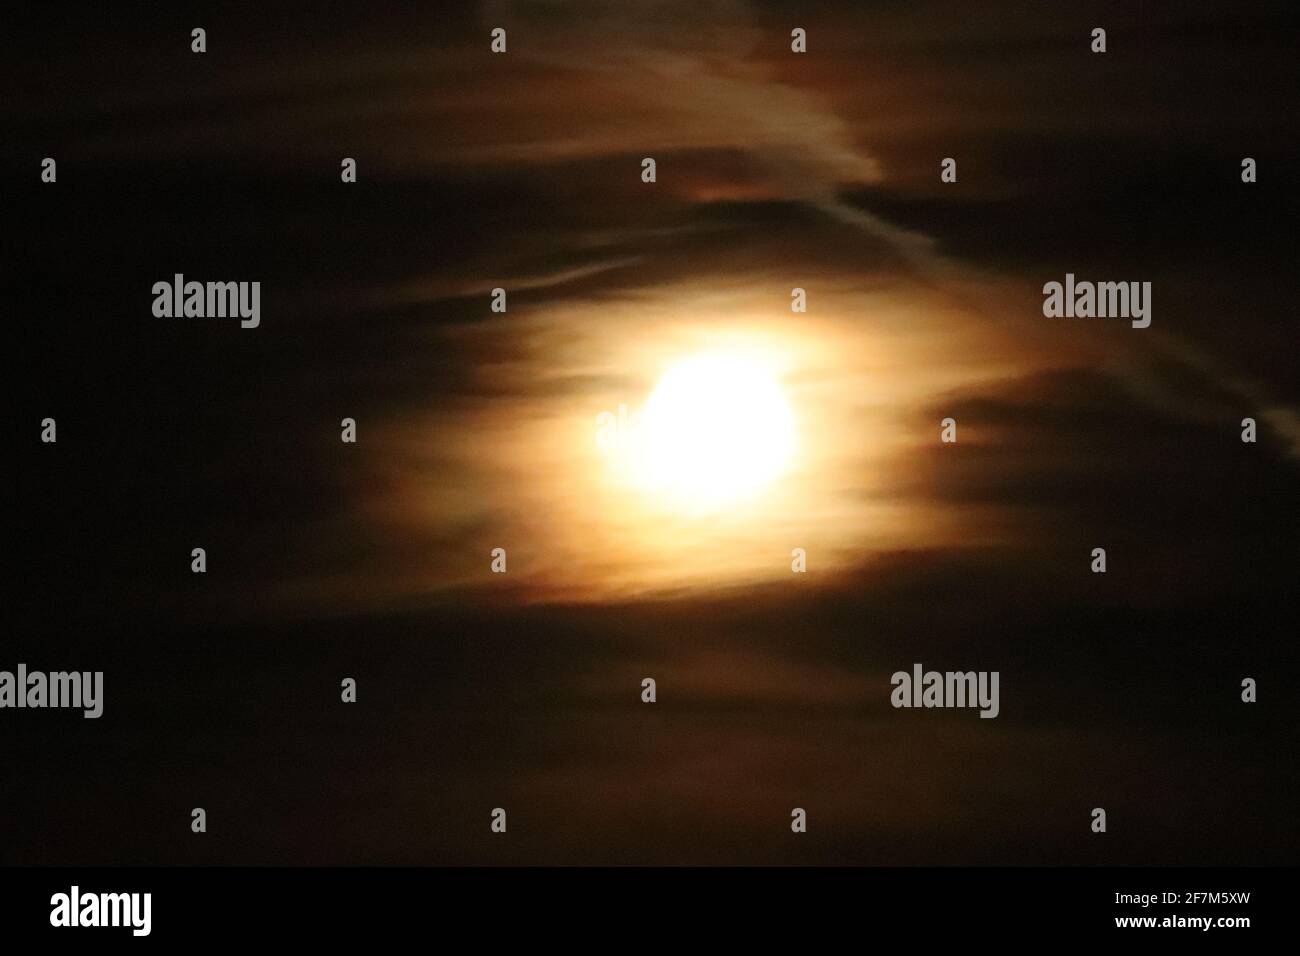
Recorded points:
475,430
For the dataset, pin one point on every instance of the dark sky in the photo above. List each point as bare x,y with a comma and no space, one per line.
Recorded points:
327,560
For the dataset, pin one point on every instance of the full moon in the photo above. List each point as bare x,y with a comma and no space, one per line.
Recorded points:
716,431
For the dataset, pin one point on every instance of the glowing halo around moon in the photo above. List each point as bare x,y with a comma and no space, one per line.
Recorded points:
716,431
